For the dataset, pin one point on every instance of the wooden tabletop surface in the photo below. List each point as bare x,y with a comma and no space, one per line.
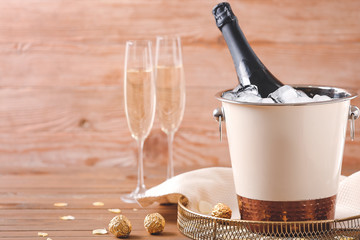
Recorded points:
27,197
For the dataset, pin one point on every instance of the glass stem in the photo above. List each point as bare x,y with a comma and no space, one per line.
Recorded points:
140,183
170,165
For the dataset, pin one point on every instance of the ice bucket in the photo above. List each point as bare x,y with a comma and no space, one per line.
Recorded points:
286,158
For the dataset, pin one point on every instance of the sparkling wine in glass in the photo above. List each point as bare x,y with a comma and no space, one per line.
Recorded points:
170,90
139,92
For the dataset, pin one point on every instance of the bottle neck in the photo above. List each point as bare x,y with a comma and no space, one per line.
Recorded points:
245,60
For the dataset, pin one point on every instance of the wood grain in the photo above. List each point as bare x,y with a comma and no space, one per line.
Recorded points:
61,70
27,198
90,128
56,66
110,21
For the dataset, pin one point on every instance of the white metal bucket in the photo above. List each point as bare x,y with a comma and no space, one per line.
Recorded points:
287,152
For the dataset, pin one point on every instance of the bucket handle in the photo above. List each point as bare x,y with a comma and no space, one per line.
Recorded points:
353,115
219,116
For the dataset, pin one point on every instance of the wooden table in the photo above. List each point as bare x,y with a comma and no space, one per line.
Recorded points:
27,197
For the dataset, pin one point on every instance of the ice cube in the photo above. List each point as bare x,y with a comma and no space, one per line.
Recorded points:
285,94
250,89
267,100
301,93
302,100
248,97
320,98
239,91
303,97
230,95
237,88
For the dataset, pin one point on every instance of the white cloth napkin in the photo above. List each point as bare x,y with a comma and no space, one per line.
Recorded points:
208,186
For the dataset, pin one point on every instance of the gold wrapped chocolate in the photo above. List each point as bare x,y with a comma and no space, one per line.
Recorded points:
120,226
154,223
221,211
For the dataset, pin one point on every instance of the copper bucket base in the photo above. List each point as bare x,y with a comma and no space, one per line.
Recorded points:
307,210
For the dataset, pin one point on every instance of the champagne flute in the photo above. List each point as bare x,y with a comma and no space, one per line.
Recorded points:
139,92
170,89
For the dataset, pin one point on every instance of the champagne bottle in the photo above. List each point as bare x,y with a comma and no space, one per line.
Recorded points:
250,70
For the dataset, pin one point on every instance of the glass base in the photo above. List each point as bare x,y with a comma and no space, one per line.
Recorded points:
131,197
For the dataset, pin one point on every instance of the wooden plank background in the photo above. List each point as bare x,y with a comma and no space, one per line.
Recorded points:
61,73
